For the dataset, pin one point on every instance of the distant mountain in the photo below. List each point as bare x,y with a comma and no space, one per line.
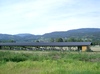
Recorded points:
8,37
27,37
91,33
24,35
74,33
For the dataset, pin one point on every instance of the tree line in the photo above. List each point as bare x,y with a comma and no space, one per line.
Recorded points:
71,39
94,42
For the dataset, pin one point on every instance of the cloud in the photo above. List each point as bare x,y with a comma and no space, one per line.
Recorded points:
42,16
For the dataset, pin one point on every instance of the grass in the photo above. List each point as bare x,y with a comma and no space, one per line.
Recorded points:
44,62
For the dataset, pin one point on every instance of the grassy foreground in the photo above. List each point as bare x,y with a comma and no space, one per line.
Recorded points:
49,62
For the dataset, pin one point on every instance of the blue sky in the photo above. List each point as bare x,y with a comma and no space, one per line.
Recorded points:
44,16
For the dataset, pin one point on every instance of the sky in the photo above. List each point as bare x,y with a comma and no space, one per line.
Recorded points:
44,16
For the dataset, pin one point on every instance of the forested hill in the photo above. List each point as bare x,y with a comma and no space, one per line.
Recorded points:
83,32
92,34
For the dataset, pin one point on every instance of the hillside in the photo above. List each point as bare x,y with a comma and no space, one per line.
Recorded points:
75,33
83,33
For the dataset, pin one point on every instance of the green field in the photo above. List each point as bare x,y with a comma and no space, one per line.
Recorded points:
49,62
